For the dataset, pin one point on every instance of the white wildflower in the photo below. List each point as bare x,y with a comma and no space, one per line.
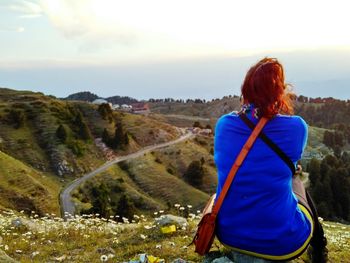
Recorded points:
172,244
155,213
35,253
6,247
177,205
161,211
143,236
189,206
104,258
182,208
158,246
18,251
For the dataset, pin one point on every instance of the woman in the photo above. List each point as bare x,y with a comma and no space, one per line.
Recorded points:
260,215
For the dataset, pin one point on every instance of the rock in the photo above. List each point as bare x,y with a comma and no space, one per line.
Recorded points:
17,222
61,258
165,220
106,250
179,260
222,260
4,258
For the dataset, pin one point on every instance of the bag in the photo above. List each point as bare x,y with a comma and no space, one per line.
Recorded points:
205,234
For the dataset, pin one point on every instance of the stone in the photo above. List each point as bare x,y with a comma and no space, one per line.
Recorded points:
222,260
106,250
17,222
179,260
166,220
4,258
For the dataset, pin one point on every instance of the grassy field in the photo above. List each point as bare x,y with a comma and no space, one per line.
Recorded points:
27,189
92,239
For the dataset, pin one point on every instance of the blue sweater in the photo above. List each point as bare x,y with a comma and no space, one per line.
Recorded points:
260,212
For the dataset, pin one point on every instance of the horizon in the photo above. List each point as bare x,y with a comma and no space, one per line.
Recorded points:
171,49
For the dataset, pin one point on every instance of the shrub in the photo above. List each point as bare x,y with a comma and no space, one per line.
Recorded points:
194,174
16,117
61,133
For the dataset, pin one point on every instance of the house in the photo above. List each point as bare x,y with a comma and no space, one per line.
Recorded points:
126,107
99,101
140,108
115,106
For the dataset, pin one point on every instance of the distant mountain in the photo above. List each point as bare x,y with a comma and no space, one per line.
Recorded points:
84,96
121,100
88,96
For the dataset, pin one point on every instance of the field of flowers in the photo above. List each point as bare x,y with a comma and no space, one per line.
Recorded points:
90,238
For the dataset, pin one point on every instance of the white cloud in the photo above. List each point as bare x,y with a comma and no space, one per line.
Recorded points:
11,29
28,9
221,24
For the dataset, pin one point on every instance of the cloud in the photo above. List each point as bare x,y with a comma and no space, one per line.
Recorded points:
27,9
12,29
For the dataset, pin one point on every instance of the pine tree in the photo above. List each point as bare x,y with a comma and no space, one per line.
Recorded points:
194,174
314,171
83,130
101,202
105,137
61,133
125,208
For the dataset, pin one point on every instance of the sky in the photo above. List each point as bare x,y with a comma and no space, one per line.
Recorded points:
167,48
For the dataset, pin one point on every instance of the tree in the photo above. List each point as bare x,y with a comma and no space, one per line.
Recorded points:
106,112
125,208
83,130
61,133
197,124
16,117
101,201
314,171
105,137
194,174
121,138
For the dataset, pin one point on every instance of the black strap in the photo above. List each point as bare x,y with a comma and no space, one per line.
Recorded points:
270,143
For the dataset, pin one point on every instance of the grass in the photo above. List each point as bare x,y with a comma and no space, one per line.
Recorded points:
155,180
88,238
26,188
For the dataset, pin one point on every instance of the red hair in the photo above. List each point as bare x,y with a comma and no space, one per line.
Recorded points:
264,86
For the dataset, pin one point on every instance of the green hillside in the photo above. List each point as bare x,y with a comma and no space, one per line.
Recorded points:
154,181
57,138
27,189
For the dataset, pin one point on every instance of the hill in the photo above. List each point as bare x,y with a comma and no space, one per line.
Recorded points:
83,96
88,96
154,181
27,189
59,139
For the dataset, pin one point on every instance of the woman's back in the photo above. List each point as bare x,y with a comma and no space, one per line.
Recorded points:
260,212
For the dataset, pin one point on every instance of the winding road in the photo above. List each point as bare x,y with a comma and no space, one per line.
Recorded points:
67,205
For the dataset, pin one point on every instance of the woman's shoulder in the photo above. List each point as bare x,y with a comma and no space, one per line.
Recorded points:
228,118
292,120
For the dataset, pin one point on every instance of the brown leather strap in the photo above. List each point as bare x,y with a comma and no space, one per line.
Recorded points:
238,162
